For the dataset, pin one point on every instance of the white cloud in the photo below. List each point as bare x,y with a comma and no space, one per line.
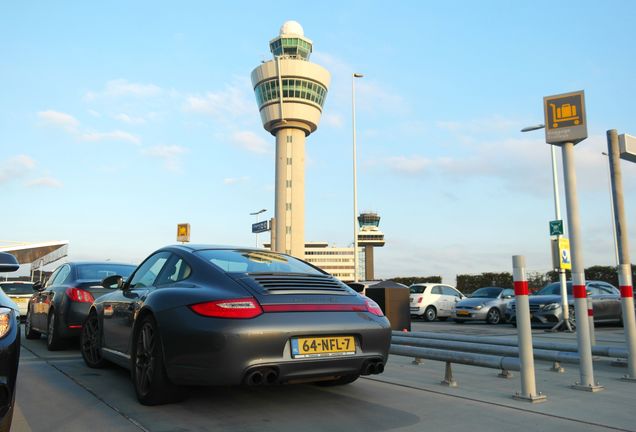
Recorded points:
116,135
235,180
231,103
251,142
333,120
408,165
59,119
129,119
45,182
94,113
170,154
15,167
72,126
121,87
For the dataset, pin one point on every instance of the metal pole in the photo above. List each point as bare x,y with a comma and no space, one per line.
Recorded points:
526,357
625,267
578,277
562,277
611,194
355,178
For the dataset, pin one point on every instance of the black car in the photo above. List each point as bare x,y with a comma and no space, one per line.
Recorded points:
59,308
206,315
9,347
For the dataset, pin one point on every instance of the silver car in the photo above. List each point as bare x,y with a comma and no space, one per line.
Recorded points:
485,304
546,309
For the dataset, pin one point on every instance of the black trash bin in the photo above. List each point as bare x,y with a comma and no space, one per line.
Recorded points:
393,299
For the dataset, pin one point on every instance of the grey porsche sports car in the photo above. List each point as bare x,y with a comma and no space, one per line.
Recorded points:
207,315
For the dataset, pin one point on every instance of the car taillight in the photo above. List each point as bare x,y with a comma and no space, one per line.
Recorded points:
419,300
373,307
242,308
79,295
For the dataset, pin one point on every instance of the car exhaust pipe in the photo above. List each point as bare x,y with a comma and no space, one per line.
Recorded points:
254,378
379,368
271,376
369,369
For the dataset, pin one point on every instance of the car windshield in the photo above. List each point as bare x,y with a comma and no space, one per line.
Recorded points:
255,261
97,272
417,289
17,288
489,292
554,289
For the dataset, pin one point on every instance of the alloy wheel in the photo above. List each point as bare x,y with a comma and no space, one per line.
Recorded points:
90,340
145,358
493,316
51,329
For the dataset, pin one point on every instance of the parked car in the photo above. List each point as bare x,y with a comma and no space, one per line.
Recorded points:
485,304
20,292
58,308
546,308
206,315
9,347
433,300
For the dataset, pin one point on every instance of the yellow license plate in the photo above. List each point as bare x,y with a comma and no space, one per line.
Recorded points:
324,346
21,300
462,313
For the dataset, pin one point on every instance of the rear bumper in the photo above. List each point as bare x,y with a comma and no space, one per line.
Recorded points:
210,351
71,318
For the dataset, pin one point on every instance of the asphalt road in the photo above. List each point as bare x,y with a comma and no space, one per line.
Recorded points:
57,392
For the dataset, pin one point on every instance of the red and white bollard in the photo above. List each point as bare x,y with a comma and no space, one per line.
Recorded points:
526,356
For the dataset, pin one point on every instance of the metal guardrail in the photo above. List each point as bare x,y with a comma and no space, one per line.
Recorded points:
510,351
597,350
459,357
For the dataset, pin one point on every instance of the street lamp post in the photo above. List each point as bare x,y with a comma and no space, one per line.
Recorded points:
256,214
355,180
565,322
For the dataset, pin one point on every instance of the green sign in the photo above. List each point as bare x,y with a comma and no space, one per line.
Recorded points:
556,227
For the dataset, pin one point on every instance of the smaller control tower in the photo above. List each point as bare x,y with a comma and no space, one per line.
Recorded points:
369,236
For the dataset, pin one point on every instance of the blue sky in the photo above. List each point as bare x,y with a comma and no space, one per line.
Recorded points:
119,120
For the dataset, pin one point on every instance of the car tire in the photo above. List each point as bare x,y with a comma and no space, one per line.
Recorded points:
343,380
151,382
90,342
493,316
430,313
29,333
54,341
459,321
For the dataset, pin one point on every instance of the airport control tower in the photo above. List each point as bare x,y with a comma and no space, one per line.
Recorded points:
369,236
290,92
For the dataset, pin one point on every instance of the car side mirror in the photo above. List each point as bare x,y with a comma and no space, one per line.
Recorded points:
113,282
8,263
38,286
507,297
588,293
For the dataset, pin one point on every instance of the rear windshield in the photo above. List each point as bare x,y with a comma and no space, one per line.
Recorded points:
17,288
97,272
417,289
486,292
253,261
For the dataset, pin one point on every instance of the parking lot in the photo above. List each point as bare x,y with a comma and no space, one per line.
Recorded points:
57,392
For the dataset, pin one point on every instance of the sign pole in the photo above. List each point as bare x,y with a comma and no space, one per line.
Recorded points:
625,267
578,277
565,311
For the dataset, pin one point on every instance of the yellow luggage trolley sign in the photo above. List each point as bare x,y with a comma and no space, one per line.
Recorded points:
565,118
